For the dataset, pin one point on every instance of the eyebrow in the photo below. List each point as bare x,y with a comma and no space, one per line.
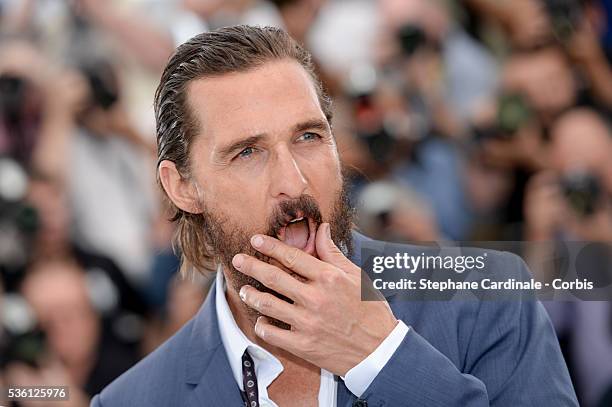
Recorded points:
240,145
312,124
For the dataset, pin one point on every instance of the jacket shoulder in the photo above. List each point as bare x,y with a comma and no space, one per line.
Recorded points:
157,380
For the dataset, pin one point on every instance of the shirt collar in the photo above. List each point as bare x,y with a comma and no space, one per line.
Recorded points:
234,340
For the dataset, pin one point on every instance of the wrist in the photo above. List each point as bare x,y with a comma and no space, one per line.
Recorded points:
371,343
360,377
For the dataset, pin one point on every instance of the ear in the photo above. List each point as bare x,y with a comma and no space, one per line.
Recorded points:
181,191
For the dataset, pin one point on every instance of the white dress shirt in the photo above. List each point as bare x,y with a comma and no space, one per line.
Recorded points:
268,367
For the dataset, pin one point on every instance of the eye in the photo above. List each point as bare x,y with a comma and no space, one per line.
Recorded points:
246,153
309,136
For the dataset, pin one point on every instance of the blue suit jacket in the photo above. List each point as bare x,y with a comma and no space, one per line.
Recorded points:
457,353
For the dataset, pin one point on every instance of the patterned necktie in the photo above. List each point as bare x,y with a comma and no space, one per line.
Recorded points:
250,394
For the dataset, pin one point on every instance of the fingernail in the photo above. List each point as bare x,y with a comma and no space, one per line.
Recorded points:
256,241
328,231
238,260
242,293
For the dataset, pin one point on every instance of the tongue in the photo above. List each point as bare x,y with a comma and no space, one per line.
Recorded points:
296,234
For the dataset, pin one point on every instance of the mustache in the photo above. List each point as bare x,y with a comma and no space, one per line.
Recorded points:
289,209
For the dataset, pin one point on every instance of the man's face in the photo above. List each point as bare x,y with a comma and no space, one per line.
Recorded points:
581,141
264,161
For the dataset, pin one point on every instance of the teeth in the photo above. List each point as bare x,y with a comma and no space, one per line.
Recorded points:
296,220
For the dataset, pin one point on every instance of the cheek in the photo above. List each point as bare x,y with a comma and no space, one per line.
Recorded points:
326,183
324,162
238,201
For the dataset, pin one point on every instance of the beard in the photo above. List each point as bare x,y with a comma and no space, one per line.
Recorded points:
226,239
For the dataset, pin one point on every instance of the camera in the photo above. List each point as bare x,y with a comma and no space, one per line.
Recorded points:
103,83
513,112
18,221
380,143
27,348
565,17
411,37
21,340
13,91
368,116
583,192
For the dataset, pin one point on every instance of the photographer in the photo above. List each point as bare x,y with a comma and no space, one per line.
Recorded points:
574,202
90,146
576,26
389,141
387,209
75,348
511,133
577,193
451,73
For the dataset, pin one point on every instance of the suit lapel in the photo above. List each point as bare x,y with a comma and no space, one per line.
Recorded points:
217,387
344,397
207,366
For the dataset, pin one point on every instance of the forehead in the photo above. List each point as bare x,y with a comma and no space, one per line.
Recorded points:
55,284
268,99
581,139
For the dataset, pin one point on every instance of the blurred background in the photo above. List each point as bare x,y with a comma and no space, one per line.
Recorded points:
458,120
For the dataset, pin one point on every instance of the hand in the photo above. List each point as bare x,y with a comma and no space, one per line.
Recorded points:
120,124
527,23
25,61
523,149
330,326
596,228
584,46
67,94
51,374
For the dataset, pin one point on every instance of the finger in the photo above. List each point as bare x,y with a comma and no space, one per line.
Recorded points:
269,305
328,251
282,338
270,276
290,257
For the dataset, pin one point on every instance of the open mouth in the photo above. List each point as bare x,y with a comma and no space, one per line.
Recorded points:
299,232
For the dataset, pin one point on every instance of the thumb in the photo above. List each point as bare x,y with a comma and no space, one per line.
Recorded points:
327,249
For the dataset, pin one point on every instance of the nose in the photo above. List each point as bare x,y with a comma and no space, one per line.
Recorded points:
287,178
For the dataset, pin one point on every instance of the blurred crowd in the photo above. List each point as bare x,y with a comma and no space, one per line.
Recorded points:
460,120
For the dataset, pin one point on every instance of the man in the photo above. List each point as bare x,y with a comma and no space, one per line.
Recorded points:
80,349
249,162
